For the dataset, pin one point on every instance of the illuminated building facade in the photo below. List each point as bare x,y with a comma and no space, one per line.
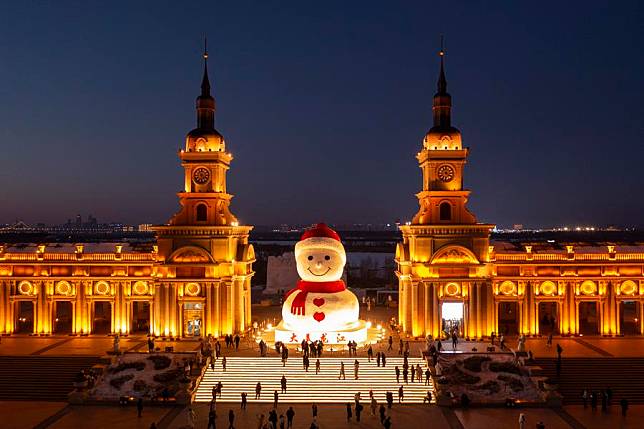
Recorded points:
453,277
194,281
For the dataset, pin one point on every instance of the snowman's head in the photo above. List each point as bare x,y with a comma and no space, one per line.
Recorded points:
319,255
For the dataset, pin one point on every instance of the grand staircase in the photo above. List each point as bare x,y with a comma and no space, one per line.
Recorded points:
41,378
243,373
625,376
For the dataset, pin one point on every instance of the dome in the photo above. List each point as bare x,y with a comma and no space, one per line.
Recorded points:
443,138
203,140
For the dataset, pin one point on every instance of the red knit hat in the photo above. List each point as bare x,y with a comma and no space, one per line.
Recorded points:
320,237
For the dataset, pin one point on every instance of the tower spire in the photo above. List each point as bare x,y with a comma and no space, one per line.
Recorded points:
442,82
205,82
442,105
205,102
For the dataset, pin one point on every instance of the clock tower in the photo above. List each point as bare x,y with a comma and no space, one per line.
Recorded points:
204,261
443,270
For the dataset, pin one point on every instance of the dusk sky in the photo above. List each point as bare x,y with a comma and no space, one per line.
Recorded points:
324,106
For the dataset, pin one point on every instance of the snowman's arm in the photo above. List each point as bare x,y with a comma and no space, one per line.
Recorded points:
299,302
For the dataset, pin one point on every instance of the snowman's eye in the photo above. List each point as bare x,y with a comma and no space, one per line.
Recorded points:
310,257
327,257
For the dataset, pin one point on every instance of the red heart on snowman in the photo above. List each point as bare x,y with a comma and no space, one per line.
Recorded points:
318,302
318,316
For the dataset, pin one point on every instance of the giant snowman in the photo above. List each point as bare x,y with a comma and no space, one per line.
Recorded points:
320,307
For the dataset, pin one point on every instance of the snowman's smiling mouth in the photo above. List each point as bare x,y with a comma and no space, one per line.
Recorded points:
319,275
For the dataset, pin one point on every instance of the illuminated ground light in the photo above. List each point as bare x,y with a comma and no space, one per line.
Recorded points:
243,373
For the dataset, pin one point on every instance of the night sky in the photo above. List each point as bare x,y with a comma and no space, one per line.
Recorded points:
324,106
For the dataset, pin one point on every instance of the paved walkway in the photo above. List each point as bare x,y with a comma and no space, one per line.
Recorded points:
21,415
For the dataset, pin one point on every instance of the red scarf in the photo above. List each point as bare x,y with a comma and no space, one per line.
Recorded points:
304,287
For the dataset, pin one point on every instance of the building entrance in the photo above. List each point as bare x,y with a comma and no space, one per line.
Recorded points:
102,321
140,316
629,317
588,320
25,317
548,318
192,319
452,315
63,315
508,318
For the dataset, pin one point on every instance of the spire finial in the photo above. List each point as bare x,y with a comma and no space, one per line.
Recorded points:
205,82
442,82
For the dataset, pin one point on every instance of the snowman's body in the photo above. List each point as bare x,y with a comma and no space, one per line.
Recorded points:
320,307
323,311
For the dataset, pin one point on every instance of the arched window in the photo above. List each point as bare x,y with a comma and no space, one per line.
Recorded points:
445,211
202,213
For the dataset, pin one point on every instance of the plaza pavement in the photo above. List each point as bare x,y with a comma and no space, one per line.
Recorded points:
21,415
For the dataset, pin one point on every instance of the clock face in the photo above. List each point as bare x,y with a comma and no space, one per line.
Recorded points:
445,173
201,176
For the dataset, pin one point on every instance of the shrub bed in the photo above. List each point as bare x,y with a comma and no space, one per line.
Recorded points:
473,363
139,366
117,382
160,362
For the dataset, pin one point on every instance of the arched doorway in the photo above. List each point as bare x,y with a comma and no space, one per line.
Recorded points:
63,316
102,321
24,317
588,318
140,316
548,318
508,318
452,317
629,317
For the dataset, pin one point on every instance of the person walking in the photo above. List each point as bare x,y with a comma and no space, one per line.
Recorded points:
382,411
559,351
356,367
317,366
384,360
390,399
391,342
290,413
349,412
419,373
283,383
139,407
212,418
223,363
413,374
359,409
237,340
231,419
401,394
281,421
427,375
378,358
387,423
275,398
405,374
624,404
369,353
258,390
584,398
314,410
342,375
502,342
454,340
219,387
549,342
397,375
492,337
244,401
522,421
400,347
272,418
373,405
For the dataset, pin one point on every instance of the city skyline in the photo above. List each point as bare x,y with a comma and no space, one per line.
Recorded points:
328,123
